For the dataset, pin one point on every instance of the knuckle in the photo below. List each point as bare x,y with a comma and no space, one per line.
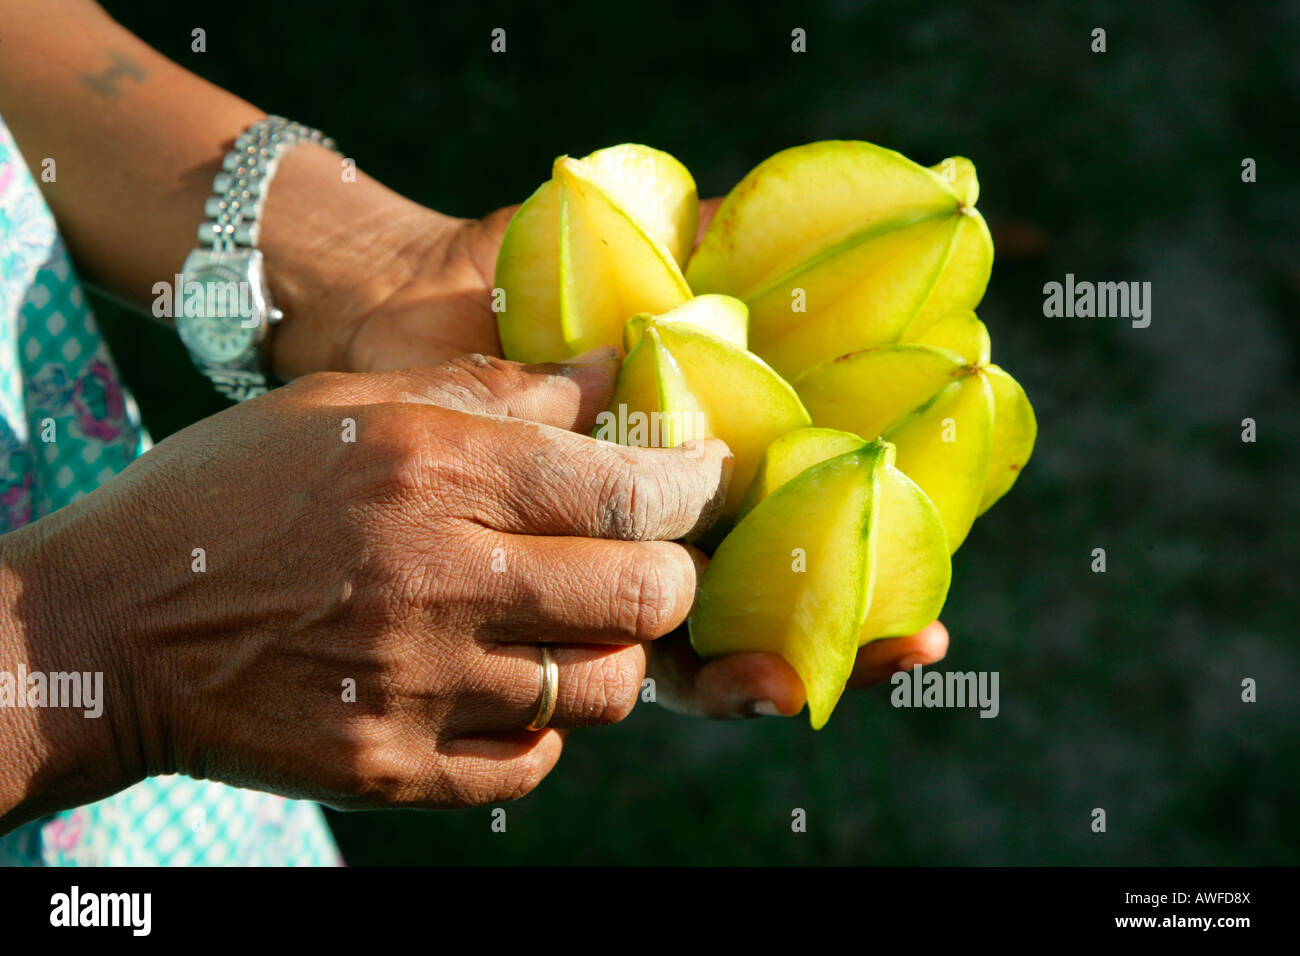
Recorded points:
623,681
394,775
521,779
478,364
478,383
465,787
477,782
318,384
611,690
370,778
632,501
396,456
646,599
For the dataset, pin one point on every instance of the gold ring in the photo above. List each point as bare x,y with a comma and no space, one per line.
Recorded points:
550,689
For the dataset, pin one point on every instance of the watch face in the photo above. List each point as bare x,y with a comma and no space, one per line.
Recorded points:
216,320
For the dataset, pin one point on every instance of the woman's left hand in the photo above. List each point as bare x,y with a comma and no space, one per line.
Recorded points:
369,280
443,309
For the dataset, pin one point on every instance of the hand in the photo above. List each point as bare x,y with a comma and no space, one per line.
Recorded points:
417,292
369,280
444,309
422,561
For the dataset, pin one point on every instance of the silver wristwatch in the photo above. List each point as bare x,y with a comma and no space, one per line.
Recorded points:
225,303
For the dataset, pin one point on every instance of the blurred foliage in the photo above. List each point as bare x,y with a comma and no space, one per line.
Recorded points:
1119,690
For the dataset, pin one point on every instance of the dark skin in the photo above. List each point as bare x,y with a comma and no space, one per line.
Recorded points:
711,689
370,282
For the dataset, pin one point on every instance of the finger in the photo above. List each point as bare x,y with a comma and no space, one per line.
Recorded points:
746,685
567,395
878,660
559,483
527,477
493,768
587,591
502,691
738,685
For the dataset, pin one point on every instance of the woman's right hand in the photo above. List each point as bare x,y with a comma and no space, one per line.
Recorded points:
380,554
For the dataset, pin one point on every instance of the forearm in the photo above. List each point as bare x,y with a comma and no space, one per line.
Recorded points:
136,141
20,752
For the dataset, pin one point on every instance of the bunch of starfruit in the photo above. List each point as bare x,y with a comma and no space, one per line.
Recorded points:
824,328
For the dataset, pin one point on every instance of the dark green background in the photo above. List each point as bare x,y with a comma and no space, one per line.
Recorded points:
1119,690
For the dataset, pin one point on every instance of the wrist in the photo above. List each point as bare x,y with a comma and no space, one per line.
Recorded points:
336,249
75,736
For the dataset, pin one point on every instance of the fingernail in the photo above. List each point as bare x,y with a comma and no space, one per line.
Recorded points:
596,356
764,708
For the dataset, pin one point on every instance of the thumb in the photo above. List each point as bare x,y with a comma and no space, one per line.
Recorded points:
567,395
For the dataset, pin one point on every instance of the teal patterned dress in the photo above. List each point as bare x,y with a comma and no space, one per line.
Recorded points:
67,425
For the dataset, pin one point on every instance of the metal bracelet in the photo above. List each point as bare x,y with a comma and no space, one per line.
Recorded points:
235,211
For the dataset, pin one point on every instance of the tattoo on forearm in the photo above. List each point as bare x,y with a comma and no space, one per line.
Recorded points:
108,82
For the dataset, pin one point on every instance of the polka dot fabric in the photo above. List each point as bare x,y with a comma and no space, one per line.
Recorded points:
67,425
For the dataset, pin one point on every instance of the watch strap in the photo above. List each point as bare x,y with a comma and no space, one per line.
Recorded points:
233,224
234,211
237,385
